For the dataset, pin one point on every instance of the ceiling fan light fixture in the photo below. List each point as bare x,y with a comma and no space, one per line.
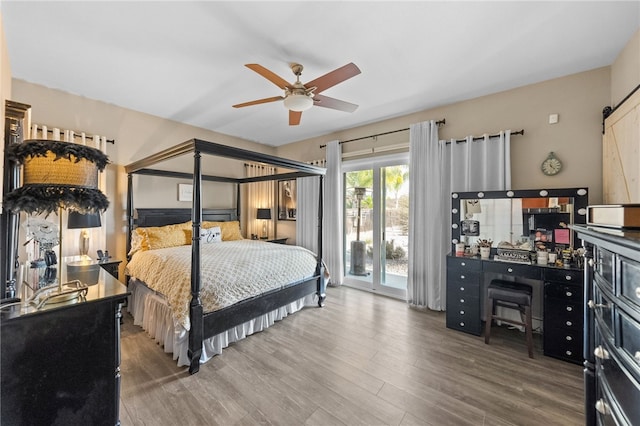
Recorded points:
298,102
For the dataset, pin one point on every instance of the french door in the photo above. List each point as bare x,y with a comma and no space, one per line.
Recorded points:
376,222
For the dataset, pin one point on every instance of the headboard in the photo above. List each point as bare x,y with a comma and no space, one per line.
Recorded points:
161,217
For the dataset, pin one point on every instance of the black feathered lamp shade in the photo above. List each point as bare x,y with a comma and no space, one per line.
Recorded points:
57,175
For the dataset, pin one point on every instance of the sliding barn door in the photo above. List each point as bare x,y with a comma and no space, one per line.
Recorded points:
621,153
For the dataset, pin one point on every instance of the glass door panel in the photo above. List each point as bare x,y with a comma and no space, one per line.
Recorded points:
376,227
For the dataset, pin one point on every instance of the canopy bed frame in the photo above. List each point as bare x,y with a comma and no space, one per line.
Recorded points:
204,325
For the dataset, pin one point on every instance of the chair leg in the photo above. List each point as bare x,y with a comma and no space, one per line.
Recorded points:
529,330
488,313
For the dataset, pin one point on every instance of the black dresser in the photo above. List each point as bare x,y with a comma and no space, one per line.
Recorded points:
562,294
612,326
61,364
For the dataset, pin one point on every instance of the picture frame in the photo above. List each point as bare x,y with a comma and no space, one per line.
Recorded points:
287,204
185,192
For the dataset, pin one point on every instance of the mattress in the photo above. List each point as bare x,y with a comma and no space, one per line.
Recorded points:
231,271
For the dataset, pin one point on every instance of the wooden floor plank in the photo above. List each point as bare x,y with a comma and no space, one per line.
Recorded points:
362,359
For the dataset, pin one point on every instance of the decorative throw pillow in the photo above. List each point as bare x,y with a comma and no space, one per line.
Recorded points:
211,235
156,237
230,230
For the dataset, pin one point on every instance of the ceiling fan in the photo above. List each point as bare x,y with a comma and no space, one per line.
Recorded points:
300,97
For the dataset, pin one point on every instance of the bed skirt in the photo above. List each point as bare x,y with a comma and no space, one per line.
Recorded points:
151,312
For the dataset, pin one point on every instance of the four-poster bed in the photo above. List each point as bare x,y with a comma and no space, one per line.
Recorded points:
205,325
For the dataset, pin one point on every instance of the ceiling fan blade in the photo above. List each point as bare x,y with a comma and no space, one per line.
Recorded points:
259,101
327,102
334,77
269,75
294,117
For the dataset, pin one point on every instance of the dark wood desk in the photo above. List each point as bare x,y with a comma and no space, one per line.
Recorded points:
61,364
561,291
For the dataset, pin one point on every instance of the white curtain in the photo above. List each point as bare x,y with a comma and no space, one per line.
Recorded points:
260,195
307,223
427,233
332,239
439,168
71,237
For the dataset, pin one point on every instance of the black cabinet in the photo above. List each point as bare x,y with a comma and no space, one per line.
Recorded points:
563,315
562,308
61,364
111,266
612,331
463,294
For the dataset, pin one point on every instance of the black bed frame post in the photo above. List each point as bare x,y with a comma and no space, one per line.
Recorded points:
322,295
238,201
129,212
196,335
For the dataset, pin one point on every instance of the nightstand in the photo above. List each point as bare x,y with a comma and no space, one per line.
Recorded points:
278,240
111,266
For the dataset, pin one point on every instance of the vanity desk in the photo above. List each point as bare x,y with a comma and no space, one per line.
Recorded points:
541,217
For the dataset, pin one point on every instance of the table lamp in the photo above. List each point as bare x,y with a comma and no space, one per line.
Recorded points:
57,175
264,215
83,221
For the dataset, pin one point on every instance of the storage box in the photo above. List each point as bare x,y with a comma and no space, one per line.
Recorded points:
614,215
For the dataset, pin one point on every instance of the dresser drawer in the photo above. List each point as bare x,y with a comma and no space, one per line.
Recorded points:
563,275
563,315
460,289
521,271
603,267
464,317
603,311
605,406
630,282
463,264
629,342
563,344
624,388
567,292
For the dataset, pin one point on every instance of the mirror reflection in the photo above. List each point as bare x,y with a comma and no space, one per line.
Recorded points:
533,223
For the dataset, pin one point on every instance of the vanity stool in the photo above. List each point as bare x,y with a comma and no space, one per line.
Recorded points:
510,295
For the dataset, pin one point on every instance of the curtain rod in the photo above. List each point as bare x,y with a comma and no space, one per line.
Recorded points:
439,123
478,138
79,135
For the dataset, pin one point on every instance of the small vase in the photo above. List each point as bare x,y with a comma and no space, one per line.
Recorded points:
485,252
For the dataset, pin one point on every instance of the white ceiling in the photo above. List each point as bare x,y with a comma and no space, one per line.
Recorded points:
185,60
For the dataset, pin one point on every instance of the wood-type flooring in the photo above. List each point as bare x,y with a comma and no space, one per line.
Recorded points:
362,359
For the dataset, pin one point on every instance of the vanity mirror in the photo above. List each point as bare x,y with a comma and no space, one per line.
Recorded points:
539,217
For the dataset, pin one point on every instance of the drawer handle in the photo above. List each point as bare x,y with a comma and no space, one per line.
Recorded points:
569,338
603,407
569,309
591,304
461,312
461,300
568,277
509,270
463,264
462,277
461,288
569,294
593,263
569,323
461,324
601,353
637,356
638,292
569,353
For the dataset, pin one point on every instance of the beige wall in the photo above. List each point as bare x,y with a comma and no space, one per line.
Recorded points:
625,71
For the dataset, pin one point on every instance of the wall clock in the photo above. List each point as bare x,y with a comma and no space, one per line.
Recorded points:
551,165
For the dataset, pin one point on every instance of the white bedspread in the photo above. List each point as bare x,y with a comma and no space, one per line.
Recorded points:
231,271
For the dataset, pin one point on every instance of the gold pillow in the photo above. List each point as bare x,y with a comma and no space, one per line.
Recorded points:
156,237
230,230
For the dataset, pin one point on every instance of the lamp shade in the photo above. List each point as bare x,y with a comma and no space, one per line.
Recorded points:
264,214
82,221
298,102
57,175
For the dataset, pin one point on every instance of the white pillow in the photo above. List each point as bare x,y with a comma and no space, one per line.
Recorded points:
211,235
